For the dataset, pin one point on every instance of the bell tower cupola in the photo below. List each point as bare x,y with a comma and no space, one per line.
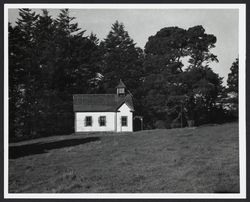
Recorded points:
120,88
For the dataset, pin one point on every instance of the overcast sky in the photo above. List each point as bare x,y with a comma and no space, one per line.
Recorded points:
142,23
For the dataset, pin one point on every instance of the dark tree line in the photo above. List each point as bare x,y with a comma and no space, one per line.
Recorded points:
51,59
232,92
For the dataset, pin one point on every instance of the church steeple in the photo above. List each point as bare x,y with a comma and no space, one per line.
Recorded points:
120,88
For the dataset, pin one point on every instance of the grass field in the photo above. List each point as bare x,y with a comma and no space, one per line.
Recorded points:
189,160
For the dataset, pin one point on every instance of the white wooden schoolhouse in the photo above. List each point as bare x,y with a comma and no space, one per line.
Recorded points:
104,112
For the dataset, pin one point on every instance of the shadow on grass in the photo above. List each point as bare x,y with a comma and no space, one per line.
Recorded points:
40,148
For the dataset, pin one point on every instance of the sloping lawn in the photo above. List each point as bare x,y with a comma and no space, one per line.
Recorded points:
195,160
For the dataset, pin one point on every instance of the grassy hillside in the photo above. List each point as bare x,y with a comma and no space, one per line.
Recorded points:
197,160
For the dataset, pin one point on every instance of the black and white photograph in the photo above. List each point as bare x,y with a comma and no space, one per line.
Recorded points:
125,100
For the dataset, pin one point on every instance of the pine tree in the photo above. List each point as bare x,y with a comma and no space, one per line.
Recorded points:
232,90
74,56
28,64
76,64
50,60
16,83
163,86
121,60
167,81
199,46
233,77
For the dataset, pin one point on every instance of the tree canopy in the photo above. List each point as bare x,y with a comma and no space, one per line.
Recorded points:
182,93
231,99
233,77
121,60
52,58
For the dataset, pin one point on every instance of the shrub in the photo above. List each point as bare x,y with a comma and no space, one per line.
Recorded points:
160,124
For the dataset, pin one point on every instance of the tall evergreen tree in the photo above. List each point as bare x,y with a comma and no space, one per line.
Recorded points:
16,82
233,77
50,60
44,48
74,56
163,65
121,60
166,79
199,47
232,98
74,66
26,25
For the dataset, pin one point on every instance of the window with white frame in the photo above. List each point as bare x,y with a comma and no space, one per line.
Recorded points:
124,121
88,121
102,120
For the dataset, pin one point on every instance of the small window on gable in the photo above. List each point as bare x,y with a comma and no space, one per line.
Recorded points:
121,91
102,120
88,121
124,121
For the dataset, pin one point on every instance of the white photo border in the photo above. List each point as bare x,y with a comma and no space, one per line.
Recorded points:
242,105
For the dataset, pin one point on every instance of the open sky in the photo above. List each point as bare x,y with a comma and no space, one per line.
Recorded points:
142,23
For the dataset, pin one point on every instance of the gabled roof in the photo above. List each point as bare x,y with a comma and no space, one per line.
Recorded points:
100,102
121,85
